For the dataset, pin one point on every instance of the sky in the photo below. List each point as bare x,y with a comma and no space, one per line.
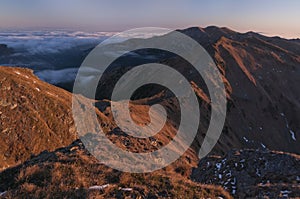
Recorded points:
270,17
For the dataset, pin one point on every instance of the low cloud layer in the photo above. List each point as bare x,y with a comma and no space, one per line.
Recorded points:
36,42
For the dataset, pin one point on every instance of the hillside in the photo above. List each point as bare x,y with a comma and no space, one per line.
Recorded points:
37,119
264,105
35,116
73,173
260,75
40,153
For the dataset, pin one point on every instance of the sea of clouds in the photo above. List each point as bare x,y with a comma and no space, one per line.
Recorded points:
36,42
55,55
49,52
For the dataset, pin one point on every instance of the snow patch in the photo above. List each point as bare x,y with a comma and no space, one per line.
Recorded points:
234,181
285,193
97,187
229,174
218,165
3,193
257,173
293,135
126,189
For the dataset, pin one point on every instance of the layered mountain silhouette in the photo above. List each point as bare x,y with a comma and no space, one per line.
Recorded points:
260,75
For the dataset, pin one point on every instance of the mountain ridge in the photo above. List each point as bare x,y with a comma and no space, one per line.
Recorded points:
260,75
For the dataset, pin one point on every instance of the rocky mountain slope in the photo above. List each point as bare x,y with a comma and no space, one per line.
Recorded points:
71,172
260,74
252,173
35,116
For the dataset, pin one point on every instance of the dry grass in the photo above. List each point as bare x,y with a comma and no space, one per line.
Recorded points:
69,172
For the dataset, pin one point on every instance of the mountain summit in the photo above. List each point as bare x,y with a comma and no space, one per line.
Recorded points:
40,153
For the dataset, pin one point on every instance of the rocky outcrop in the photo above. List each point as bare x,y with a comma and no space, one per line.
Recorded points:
252,173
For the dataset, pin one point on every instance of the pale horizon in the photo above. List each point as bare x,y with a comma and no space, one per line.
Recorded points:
268,17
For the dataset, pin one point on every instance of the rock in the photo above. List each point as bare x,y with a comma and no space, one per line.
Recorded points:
252,173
